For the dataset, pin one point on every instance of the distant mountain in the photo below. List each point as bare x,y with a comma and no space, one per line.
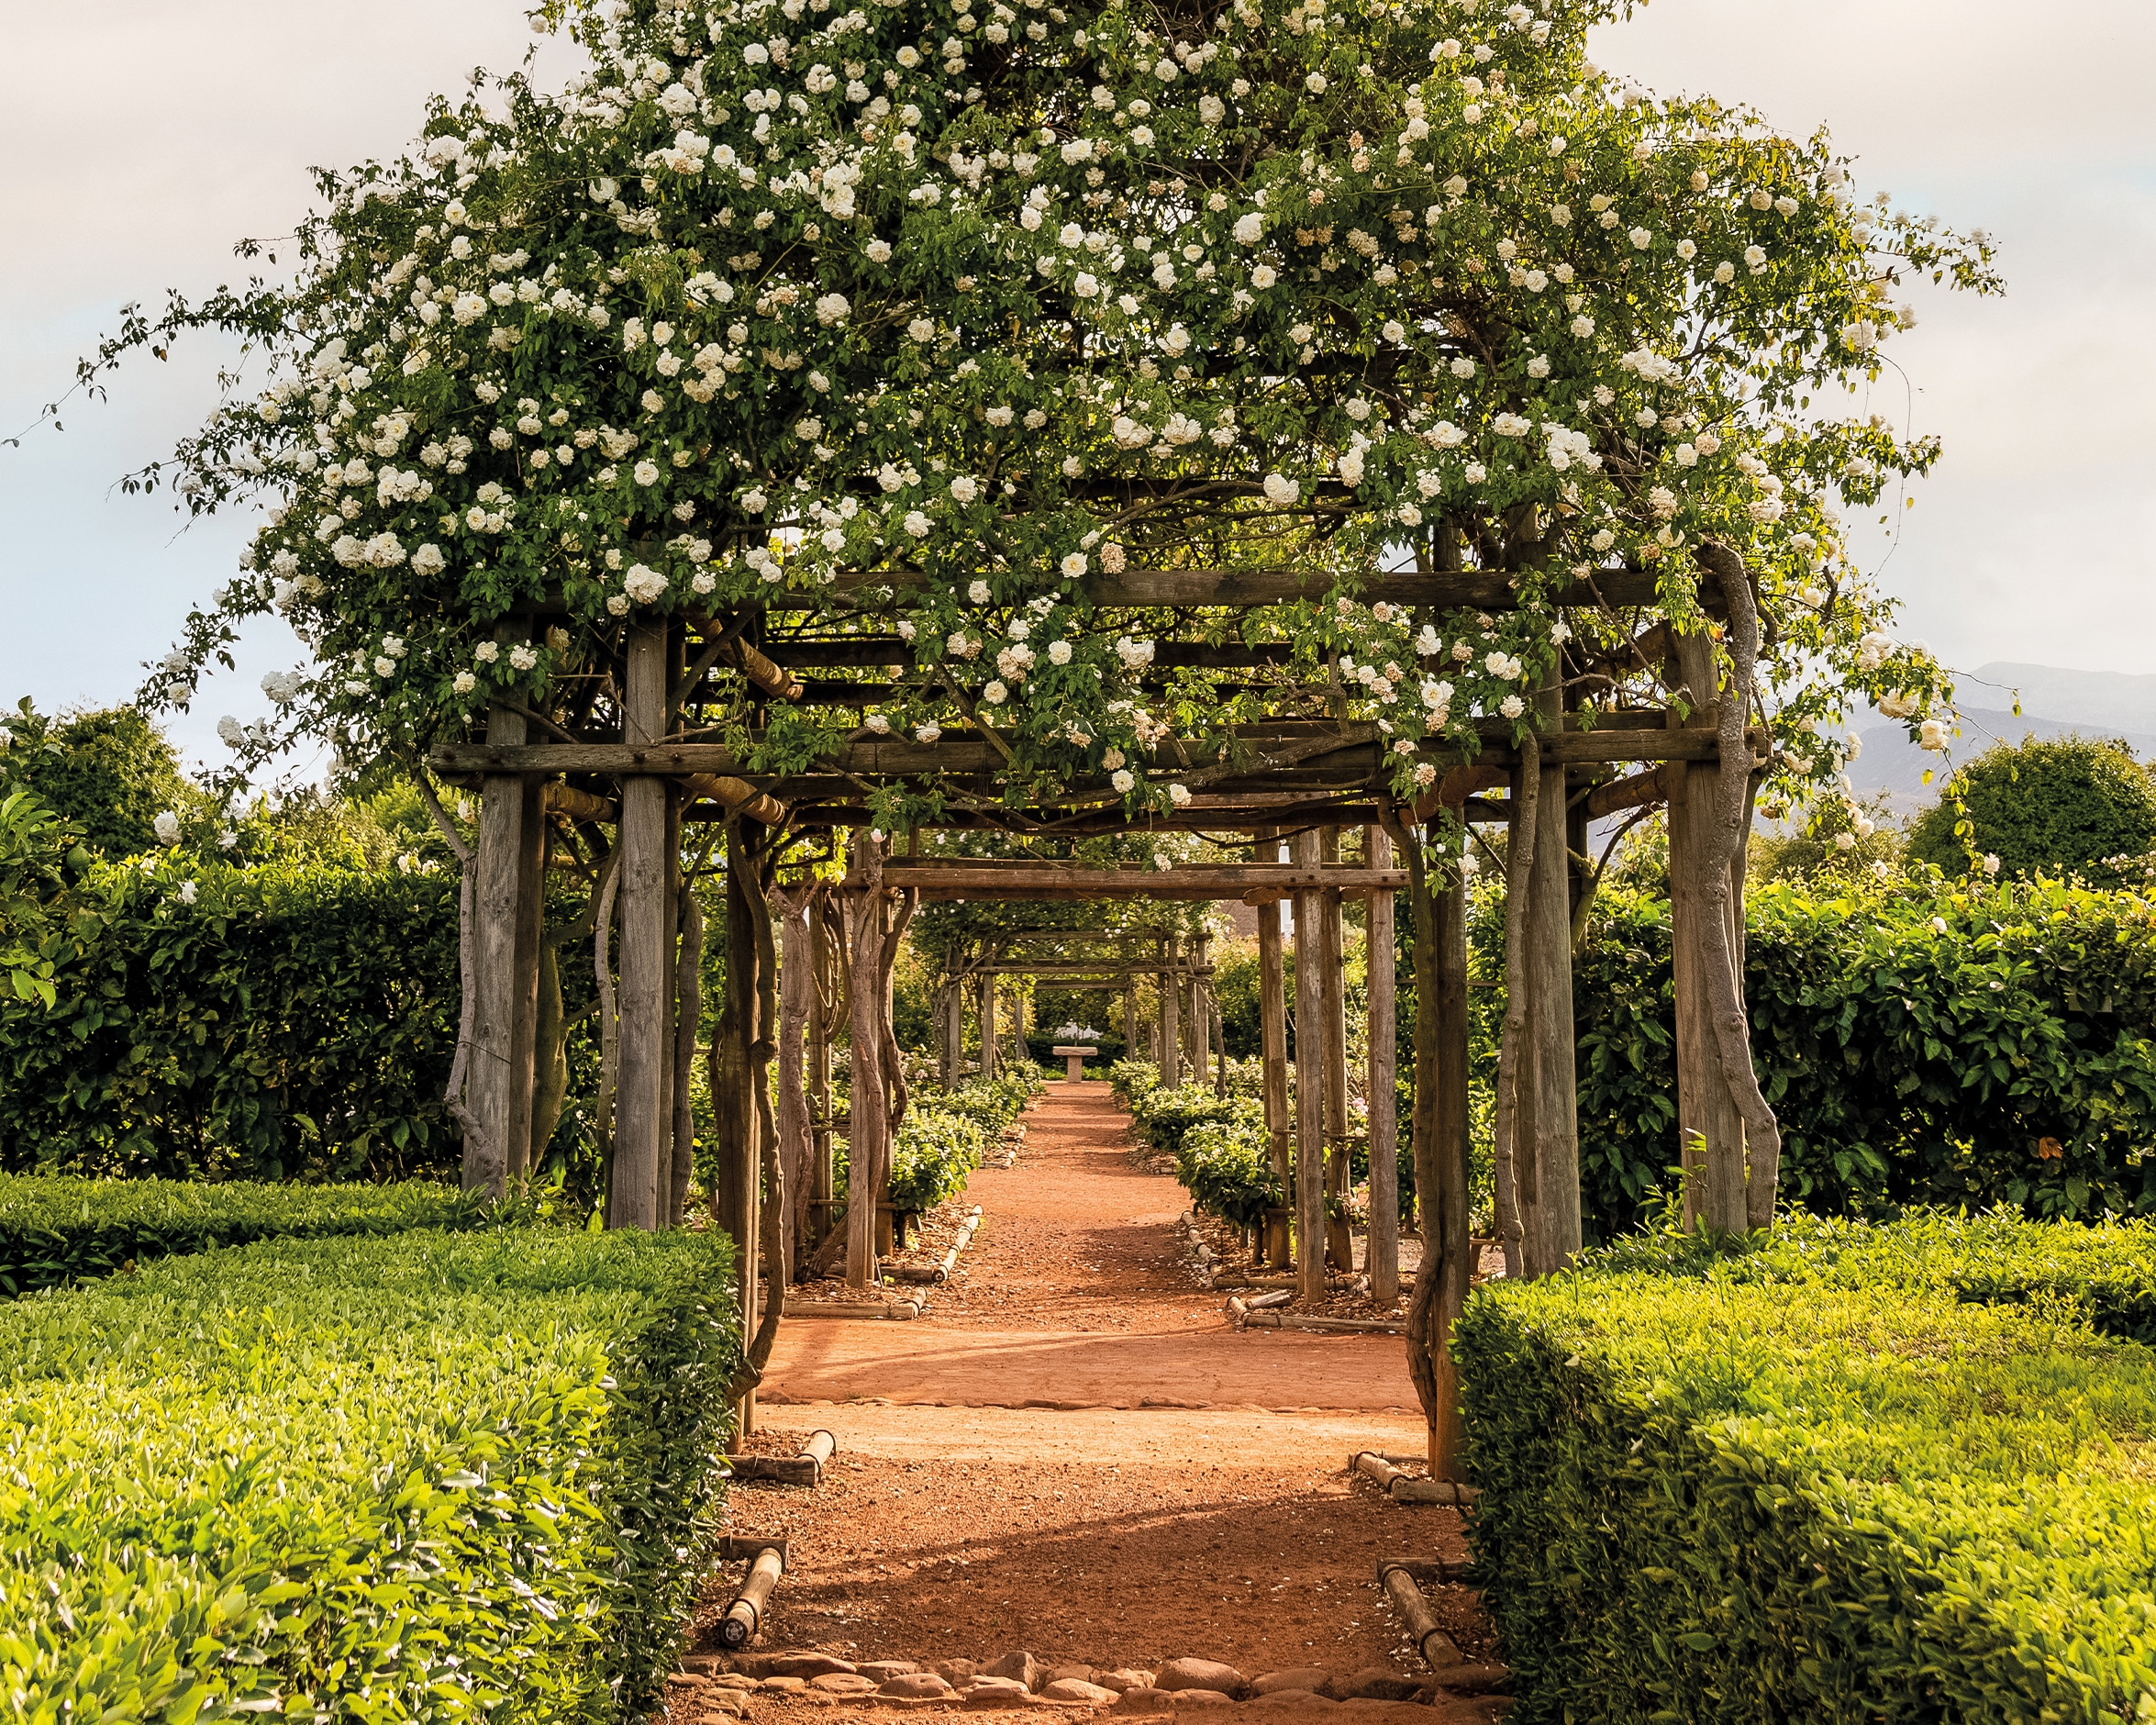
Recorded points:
2107,702
1889,761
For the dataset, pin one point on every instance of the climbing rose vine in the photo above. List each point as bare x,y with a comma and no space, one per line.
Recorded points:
964,313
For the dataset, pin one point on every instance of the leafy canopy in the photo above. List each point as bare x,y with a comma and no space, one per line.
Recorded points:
952,312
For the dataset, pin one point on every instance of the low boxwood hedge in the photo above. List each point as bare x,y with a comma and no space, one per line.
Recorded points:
1866,1473
56,1229
440,1476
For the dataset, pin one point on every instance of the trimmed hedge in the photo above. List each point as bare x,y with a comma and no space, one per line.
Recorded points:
55,1229
1868,1474
1228,1167
443,1476
1925,1044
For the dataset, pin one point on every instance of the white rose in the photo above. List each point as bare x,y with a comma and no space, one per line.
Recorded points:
1124,780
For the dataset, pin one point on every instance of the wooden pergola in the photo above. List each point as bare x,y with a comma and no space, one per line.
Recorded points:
627,763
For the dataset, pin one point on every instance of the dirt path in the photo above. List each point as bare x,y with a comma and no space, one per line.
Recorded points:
1075,1456
1071,1297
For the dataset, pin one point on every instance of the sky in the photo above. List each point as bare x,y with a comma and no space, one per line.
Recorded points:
2034,541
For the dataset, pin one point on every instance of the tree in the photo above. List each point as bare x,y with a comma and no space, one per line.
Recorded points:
2071,805
109,772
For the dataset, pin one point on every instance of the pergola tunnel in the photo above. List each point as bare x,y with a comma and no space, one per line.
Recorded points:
818,904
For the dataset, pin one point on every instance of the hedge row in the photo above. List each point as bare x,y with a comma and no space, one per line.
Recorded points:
443,1476
1922,1045
1869,1474
946,1133
57,1229
289,1019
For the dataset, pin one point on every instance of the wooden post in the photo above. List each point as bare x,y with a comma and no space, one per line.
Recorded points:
1340,1243
1130,1017
646,973
830,987
1384,1131
1171,1021
796,994
1551,1221
500,1084
684,922
1710,1131
864,1175
1310,1064
988,1021
1273,1047
1201,1027
531,920
1447,1252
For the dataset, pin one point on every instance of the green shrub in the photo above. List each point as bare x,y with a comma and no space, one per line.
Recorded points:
56,1229
2069,805
1164,1116
994,1103
1923,1045
1131,1079
936,1149
449,1477
1875,1473
1226,1165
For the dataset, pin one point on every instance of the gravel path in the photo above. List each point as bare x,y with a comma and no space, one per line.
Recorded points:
1002,1483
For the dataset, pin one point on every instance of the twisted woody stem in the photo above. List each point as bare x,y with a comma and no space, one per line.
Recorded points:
1731,804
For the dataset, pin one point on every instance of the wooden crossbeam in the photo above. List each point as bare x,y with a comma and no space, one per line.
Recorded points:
1468,589
964,754
940,880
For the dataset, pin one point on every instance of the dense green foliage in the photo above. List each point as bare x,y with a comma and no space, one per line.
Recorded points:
218,1021
945,1134
934,1151
447,1477
108,774
1921,1044
1868,1474
2068,806
1164,1116
1228,1168
60,1228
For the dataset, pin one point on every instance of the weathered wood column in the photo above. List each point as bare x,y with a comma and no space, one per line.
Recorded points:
988,1021
1710,1131
864,1138
829,986
1200,1022
504,962
646,970
1340,1242
1384,1129
1130,1017
1310,1064
1273,1051
1447,1250
796,1007
1170,1021
1550,1221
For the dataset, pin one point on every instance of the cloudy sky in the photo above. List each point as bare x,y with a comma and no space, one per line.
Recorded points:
2032,543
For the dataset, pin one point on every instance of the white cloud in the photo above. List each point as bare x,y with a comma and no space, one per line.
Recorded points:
2033,536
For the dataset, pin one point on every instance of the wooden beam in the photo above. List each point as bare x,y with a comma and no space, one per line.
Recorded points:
1351,763
1467,589
500,1084
1309,1202
1384,1253
1212,880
